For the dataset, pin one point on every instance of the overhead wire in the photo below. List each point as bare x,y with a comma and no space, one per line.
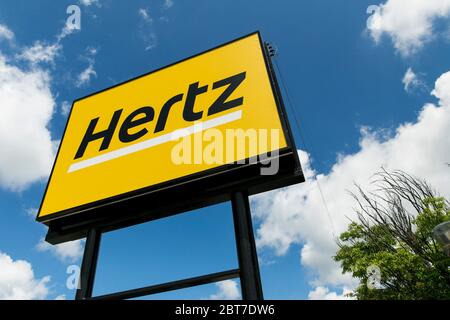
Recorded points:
305,142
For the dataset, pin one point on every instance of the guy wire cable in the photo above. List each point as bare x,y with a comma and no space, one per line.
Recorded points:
306,144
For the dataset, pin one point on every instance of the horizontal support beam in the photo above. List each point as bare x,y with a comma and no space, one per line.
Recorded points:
169,286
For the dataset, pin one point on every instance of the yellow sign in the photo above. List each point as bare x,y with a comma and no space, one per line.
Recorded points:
147,131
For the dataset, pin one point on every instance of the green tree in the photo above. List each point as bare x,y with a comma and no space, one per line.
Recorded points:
393,236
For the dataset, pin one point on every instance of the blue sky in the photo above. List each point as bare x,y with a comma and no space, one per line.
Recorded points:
345,83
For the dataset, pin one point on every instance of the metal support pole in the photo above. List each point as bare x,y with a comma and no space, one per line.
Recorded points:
89,264
246,248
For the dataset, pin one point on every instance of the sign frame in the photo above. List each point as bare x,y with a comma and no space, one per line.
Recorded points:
212,186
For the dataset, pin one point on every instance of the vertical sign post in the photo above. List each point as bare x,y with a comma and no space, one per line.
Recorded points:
89,265
246,248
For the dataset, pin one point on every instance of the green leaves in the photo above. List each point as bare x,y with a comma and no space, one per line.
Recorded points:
398,242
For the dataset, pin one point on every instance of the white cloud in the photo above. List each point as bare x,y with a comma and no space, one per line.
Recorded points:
411,80
65,108
61,297
6,33
17,280
67,30
31,212
168,4
410,24
85,76
150,41
26,109
43,52
146,30
296,215
91,51
87,3
442,90
323,293
40,52
227,290
66,252
145,15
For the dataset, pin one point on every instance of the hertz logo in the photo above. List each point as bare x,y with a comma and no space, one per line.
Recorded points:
146,114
